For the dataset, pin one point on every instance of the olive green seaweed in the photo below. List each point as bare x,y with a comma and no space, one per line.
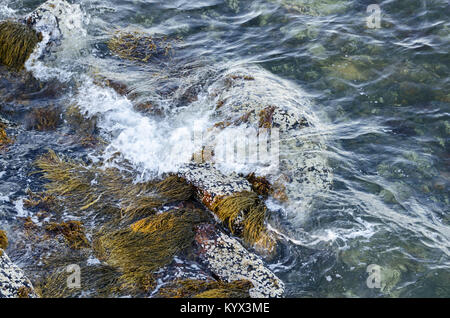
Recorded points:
83,187
4,139
148,244
137,46
96,281
245,214
3,241
17,42
194,288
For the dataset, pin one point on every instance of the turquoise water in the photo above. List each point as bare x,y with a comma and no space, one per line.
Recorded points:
383,96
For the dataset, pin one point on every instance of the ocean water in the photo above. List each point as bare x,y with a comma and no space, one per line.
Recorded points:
379,98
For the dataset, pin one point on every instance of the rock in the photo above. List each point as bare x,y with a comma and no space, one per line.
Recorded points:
249,102
13,282
230,261
211,184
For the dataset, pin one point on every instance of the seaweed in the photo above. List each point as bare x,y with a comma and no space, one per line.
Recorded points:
264,188
195,288
259,184
97,281
44,119
137,46
72,231
4,139
82,187
85,128
76,119
24,292
39,200
266,117
244,214
17,42
3,241
148,244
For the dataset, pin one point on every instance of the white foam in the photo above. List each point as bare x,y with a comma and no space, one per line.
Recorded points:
21,212
40,70
63,23
237,149
155,147
6,12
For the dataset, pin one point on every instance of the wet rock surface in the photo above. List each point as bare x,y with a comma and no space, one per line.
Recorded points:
230,261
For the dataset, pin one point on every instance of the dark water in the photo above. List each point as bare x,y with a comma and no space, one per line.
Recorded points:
382,94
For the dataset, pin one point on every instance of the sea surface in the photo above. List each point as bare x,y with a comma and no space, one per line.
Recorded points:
381,94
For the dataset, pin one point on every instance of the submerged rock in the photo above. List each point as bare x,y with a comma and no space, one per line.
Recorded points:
137,46
315,7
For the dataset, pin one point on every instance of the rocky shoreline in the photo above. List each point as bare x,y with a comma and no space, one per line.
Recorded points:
137,230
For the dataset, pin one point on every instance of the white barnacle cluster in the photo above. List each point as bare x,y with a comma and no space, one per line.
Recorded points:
206,177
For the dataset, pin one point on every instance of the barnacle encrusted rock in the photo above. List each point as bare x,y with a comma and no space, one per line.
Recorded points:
230,261
211,184
13,282
58,22
270,103
233,202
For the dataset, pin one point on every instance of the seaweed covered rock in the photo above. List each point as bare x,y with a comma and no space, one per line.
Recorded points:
72,231
232,200
230,261
137,46
17,42
148,244
106,190
43,119
98,280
